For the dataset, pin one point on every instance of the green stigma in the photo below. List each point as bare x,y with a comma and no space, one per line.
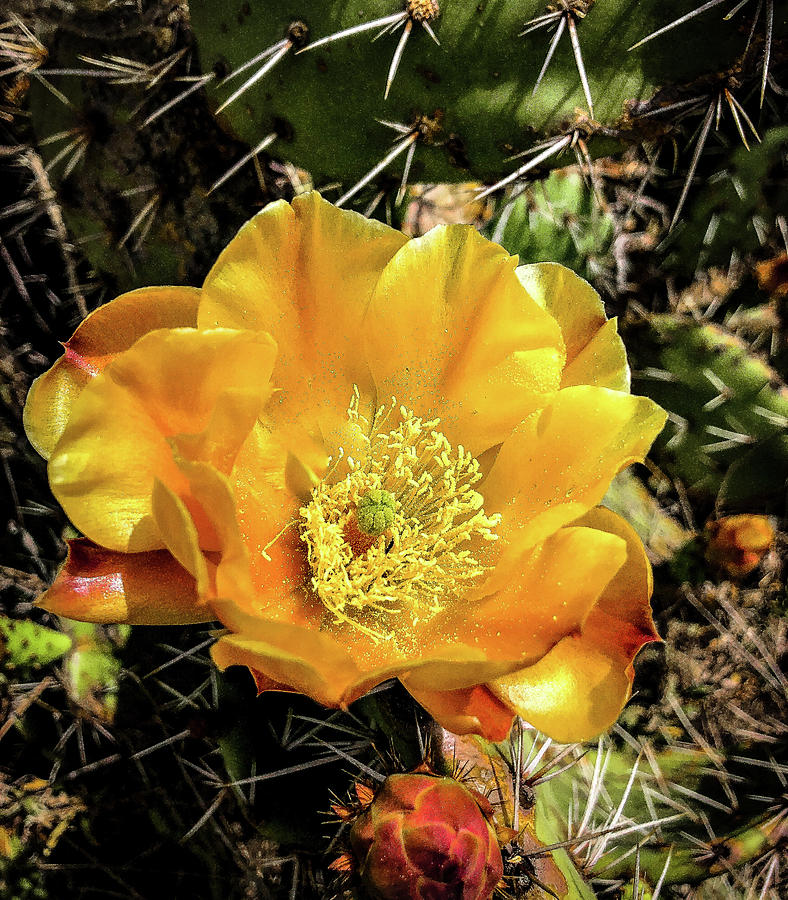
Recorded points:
375,512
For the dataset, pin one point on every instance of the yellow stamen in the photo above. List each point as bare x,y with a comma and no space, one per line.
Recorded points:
413,566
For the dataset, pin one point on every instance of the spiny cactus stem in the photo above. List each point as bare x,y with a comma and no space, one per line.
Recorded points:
767,46
700,144
399,148
548,770
770,672
387,22
55,214
142,221
553,149
207,815
266,142
662,876
77,146
570,21
198,82
566,19
395,60
672,107
517,760
736,109
23,705
179,656
767,49
732,13
260,57
540,22
613,830
20,46
279,51
550,51
675,23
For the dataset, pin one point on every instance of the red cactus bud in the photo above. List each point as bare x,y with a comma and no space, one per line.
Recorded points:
738,543
426,838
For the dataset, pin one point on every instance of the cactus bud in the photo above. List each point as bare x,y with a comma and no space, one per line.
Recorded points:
425,836
738,543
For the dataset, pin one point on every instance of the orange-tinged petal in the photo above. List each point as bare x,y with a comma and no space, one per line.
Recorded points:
572,694
349,662
451,332
558,463
116,444
428,659
578,689
274,595
264,683
179,533
474,710
104,334
537,599
595,354
304,273
267,484
448,668
99,585
211,489
621,621
305,661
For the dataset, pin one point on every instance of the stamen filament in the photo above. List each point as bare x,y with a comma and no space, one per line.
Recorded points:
410,497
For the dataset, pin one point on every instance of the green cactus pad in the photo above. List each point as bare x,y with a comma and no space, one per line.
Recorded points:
93,668
728,410
135,196
557,220
476,88
27,645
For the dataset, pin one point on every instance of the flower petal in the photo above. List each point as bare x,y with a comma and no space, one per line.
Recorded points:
595,353
579,688
602,362
116,441
621,621
558,463
446,668
104,334
473,710
305,661
268,501
346,668
179,533
304,273
98,585
572,694
537,599
253,589
451,332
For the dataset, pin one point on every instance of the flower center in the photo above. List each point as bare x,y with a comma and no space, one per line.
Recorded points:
375,512
389,544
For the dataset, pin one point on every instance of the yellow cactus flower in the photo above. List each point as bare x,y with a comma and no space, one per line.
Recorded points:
368,457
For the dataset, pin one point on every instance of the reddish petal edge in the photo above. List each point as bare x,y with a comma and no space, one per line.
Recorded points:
473,710
106,332
104,586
